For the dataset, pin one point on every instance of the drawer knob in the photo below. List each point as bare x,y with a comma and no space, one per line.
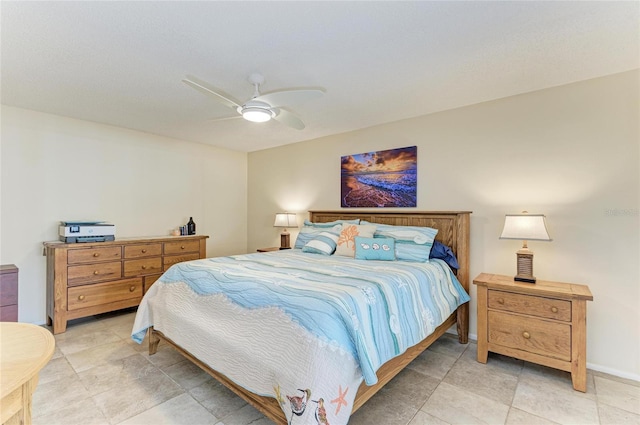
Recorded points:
144,267
554,309
182,247
144,251
132,288
81,297
95,254
526,335
96,272
500,300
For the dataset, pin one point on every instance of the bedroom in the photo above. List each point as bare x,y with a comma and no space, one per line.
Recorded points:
568,150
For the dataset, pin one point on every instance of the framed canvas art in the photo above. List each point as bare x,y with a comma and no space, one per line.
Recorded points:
382,179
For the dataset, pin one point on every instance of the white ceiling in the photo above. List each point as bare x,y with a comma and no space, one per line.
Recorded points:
122,62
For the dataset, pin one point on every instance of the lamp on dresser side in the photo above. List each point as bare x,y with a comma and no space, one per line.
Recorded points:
285,220
525,227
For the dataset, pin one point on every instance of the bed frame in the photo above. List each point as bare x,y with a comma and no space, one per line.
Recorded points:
453,230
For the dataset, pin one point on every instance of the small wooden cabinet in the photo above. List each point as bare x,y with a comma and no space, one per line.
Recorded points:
84,279
270,249
543,323
8,293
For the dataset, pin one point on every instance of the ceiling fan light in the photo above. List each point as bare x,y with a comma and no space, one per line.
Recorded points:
256,114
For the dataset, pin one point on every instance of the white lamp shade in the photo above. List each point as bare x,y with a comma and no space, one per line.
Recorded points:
526,227
256,115
286,220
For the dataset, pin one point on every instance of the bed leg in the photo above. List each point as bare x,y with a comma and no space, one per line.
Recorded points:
154,340
462,323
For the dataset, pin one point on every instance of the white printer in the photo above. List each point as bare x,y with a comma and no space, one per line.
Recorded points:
86,231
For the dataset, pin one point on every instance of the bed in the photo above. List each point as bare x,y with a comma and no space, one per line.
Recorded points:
216,322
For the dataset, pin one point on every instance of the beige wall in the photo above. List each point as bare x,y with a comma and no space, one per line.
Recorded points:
569,152
55,168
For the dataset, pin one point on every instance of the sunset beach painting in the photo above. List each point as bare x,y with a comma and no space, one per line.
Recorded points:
380,179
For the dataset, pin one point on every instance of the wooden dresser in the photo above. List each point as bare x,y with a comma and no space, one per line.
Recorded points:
8,293
543,323
84,279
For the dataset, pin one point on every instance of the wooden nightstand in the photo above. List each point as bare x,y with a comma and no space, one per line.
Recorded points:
544,323
272,248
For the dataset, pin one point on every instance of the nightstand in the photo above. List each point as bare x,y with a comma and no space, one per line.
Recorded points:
544,323
271,248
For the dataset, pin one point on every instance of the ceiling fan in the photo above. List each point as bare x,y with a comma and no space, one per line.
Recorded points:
261,107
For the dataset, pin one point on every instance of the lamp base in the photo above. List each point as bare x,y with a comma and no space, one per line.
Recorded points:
525,279
525,266
285,240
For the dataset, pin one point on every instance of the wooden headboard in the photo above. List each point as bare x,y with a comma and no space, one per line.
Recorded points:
453,228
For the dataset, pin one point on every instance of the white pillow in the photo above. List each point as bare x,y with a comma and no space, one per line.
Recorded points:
347,240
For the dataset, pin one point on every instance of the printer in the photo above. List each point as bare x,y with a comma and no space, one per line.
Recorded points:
86,231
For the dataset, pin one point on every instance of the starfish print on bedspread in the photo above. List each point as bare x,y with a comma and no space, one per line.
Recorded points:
340,401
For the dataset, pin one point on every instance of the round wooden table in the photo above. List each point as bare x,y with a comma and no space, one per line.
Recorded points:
24,350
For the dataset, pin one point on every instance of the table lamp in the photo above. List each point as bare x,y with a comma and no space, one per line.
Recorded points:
285,220
526,227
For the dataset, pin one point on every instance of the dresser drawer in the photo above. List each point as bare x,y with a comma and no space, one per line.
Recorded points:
531,304
173,259
88,273
143,250
181,246
103,293
92,255
142,266
551,339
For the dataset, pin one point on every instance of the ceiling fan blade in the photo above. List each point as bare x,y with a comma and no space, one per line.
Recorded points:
289,119
287,97
224,118
205,88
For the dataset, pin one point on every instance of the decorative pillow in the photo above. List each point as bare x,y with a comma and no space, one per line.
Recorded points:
413,243
444,252
309,232
375,249
347,240
324,243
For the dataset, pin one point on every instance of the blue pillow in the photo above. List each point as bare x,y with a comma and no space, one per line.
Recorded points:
324,243
307,233
331,223
413,243
443,252
375,249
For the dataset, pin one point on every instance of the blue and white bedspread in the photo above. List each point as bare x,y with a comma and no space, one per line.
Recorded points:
302,328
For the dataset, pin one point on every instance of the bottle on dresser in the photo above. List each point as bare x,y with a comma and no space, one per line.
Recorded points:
191,227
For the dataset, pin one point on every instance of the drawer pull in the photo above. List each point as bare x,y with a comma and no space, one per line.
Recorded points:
182,247
80,297
554,309
144,251
500,300
95,254
96,272
526,335
132,288
144,267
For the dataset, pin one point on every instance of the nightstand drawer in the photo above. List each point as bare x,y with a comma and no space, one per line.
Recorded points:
537,336
530,304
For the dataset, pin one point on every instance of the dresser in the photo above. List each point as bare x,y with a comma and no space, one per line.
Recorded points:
84,279
8,293
543,323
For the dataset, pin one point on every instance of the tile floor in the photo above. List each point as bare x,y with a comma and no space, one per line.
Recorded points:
99,376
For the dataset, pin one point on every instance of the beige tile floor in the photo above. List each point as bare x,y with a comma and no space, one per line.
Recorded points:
99,376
